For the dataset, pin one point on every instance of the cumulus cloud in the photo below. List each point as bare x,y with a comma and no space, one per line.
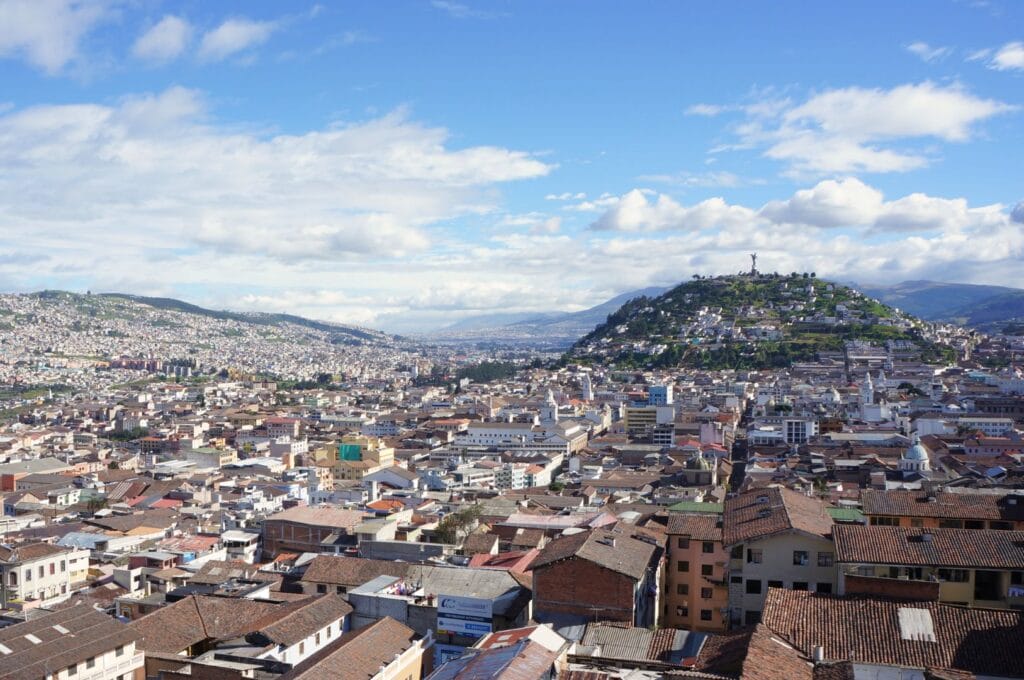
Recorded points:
234,36
830,204
708,110
857,130
163,41
634,212
47,33
926,52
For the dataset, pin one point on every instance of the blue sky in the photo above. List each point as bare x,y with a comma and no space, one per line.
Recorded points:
405,164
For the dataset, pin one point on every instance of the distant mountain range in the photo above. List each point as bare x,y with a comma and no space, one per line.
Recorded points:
987,308
543,328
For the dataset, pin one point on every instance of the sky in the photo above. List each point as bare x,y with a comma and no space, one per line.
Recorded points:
405,164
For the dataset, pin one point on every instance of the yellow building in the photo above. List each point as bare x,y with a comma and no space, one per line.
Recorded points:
943,509
970,567
358,456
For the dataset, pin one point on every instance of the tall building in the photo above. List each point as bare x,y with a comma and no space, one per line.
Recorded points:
659,395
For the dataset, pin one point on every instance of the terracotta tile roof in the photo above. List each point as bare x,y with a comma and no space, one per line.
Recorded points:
350,572
306,620
699,527
88,633
323,516
479,543
763,512
949,505
627,555
963,548
28,552
770,658
360,653
178,626
879,631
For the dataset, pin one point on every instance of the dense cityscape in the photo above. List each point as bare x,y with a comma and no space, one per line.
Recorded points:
511,340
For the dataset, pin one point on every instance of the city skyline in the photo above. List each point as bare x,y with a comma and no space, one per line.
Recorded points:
402,168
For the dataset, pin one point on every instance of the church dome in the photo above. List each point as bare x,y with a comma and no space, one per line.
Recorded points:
916,451
698,463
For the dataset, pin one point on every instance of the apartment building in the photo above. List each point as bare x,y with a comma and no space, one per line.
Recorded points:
38,574
777,538
961,509
696,586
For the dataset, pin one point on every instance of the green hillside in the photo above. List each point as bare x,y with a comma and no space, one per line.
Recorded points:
746,322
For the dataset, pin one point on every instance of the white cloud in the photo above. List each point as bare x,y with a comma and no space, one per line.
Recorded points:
708,110
855,129
926,52
634,212
566,196
164,41
831,204
1009,57
234,36
150,174
47,33
719,178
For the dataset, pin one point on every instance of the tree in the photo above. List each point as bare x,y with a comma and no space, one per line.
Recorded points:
457,524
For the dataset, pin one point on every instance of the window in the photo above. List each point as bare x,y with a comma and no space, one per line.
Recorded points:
53,568
826,559
708,547
885,521
754,556
916,522
1002,526
119,651
682,589
753,586
799,585
775,584
682,611
683,542
707,569
706,593
302,648
341,590
90,662
42,571
318,637
954,575
683,565
705,614
73,669
1016,578
321,588
974,524
951,524
752,618
28,574
800,558
736,553
823,588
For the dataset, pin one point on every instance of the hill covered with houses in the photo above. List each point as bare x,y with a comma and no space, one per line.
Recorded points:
757,321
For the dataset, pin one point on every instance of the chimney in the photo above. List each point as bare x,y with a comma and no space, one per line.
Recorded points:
818,654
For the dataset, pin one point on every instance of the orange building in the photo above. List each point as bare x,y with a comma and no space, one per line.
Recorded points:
696,590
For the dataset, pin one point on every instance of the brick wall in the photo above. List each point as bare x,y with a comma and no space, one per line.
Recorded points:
575,586
926,591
